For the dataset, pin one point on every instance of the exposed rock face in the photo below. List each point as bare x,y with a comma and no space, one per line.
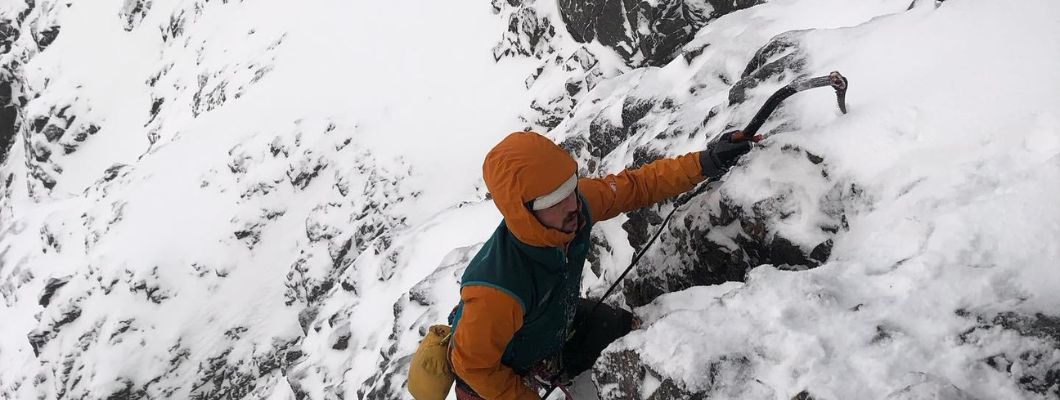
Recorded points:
1037,365
428,302
529,33
727,233
133,12
622,375
344,200
642,32
779,55
11,100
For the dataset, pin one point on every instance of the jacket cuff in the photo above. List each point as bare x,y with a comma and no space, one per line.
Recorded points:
709,165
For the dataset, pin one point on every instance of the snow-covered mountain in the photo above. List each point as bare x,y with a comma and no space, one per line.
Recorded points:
274,200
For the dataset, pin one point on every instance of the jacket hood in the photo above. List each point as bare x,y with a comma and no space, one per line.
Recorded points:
522,167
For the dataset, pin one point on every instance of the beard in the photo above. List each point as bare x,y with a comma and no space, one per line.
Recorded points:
570,224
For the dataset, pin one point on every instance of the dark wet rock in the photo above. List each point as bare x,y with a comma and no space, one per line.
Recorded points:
644,155
210,95
529,33
821,252
39,123
783,252
598,245
306,318
51,288
621,374
554,104
127,392
120,329
10,89
9,33
46,37
551,113
175,27
1036,366
722,7
716,239
781,54
156,106
341,342
40,337
384,384
133,12
300,176
605,136
656,29
221,377
53,132
303,287
640,226
37,340
634,109
779,45
114,171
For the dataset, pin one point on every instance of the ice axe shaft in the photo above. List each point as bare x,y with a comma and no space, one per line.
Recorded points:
836,80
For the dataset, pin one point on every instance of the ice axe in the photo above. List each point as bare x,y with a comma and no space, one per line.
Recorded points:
834,79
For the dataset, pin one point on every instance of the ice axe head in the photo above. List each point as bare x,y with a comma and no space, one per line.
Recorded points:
740,136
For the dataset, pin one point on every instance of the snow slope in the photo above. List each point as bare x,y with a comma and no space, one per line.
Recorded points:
263,199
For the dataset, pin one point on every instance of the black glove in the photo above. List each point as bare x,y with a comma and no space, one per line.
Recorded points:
721,154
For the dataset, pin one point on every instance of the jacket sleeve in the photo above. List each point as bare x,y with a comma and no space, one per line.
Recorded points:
636,188
489,321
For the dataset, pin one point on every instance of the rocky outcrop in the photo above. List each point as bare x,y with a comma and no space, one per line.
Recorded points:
50,125
1036,364
133,12
427,302
12,56
643,33
782,54
622,375
529,32
729,233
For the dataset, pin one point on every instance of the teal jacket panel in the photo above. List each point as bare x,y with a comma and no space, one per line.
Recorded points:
544,280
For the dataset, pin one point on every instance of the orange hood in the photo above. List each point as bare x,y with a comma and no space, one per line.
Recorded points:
522,167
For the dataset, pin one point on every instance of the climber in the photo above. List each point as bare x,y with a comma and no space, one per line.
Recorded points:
519,294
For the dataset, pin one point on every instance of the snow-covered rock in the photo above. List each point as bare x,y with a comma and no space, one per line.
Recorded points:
267,200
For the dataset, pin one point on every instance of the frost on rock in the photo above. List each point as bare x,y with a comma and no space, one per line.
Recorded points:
725,233
529,33
1035,363
622,375
336,331
209,219
846,273
133,12
46,125
643,33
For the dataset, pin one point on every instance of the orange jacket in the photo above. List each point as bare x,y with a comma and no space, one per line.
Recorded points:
523,166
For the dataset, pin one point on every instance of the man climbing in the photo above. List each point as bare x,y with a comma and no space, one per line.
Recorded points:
519,295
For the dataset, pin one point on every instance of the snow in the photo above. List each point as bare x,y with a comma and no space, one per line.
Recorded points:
304,202
964,215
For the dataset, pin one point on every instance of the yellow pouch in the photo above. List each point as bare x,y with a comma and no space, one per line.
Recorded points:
429,375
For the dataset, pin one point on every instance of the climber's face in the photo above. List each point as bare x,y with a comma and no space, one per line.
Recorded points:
562,216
